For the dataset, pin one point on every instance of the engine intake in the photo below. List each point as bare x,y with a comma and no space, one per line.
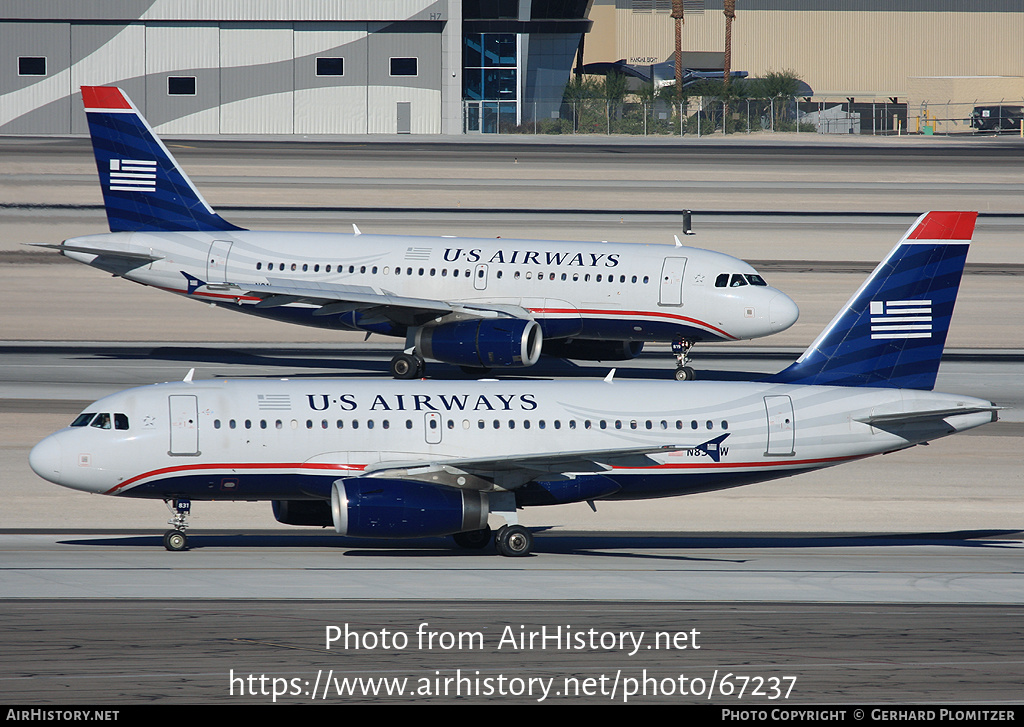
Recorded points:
483,343
372,508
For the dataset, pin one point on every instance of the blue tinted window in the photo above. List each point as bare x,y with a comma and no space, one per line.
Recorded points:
404,66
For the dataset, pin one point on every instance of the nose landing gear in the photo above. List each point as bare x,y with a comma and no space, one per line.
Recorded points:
175,540
681,350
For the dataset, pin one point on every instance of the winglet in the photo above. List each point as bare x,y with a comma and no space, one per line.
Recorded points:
144,187
892,331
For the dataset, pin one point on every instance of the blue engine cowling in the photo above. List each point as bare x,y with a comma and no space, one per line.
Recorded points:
372,508
584,349
483,343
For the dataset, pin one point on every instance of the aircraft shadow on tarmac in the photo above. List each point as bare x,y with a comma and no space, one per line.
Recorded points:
607,544
352,363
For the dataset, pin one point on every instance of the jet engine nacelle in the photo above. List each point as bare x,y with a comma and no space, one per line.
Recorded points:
303,512
483,343
590,350
372,508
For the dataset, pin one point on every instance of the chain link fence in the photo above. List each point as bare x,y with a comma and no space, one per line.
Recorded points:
704,116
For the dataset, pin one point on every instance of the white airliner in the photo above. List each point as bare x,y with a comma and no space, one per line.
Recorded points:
390,459
475,303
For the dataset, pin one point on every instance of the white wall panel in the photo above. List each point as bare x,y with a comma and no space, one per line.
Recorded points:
104,55
382,115
176,50
257,92
330,104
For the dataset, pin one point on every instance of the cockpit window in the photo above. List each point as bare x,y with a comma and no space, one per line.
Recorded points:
83,419
102,421
736,280
120,421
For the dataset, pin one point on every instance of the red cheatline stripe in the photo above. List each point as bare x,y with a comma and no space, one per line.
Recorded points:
633,313
208,295
945,226
103,98
237,466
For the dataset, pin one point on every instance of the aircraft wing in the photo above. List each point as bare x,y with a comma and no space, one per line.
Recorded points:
509,472
335,298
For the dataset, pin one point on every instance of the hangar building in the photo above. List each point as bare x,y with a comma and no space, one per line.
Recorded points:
297,67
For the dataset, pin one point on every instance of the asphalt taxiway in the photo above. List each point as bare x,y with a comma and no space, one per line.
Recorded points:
894,579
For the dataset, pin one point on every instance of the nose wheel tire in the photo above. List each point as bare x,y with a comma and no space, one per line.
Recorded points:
175,541
514,541
685,373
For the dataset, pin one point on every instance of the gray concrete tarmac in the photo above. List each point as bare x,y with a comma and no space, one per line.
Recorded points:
896,579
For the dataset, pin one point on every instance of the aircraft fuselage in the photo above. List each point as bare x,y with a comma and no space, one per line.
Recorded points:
290,440
605,292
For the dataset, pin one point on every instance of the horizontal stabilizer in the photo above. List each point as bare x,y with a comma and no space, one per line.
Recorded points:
123,254
932,415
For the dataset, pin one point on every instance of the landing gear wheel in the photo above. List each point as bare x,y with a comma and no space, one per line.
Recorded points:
175,540
407,366
473,539
514,541
685,373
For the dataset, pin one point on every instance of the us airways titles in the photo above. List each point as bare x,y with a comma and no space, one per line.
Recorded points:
531,257
426,402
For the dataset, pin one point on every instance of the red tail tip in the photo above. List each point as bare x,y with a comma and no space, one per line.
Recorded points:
945,226
104,97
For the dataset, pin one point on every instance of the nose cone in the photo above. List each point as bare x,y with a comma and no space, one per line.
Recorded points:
782,312
45,459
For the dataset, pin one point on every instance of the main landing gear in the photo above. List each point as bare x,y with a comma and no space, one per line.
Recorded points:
512,541
408,366
681,350
176,540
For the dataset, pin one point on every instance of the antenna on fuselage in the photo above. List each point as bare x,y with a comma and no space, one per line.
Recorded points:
687,217
188,376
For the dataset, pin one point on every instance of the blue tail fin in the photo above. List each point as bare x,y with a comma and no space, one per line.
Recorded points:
144,189
892,331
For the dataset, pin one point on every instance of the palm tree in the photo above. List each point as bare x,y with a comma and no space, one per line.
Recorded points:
677,15
730,15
